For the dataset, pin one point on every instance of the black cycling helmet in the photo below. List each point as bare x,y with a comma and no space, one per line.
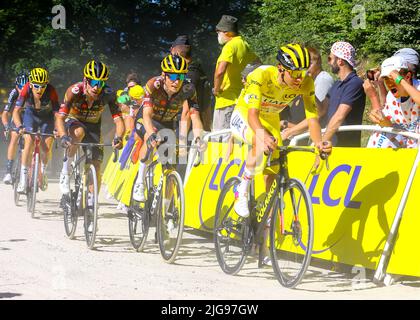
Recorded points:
21,79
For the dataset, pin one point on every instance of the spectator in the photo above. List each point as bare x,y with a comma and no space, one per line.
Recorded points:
297,122
402,107
235,55
197,77
346,98
412,57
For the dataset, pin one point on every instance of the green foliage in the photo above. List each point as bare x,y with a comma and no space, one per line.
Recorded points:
390,25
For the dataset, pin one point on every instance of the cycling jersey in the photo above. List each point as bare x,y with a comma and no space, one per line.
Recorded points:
263,92
49,101
13,96
166,109
75,105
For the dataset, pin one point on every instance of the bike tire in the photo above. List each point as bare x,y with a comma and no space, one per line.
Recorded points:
232,234
171,216
139,219
33,186
291,249
90,209
69,204
16,179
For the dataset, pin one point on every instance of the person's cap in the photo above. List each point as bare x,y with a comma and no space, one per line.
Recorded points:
227,24
345,51
409,55
181,40
136,92
393,63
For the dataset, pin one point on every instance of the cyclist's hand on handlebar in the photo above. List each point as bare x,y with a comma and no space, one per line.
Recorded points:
152,141
202,145
65,141
270,143
325,148
117,143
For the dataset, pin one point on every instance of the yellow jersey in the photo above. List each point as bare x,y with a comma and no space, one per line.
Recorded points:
263,92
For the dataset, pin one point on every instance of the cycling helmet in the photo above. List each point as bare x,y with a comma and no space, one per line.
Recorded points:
294,57
96,70
22,79
136,92
38,75
174,64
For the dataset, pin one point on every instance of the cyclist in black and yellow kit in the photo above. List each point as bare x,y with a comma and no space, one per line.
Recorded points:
256,119
166,96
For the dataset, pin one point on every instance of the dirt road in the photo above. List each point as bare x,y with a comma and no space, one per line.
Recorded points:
37,261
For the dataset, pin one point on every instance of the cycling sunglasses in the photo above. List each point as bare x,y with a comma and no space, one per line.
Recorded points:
297,74
38,86
176,76
96,83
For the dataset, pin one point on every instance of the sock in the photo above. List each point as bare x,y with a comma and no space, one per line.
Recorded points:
246,179
23,173
66,164
43,167
142,171
9,166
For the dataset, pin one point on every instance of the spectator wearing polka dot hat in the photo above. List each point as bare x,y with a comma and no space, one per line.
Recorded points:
402,107
346,98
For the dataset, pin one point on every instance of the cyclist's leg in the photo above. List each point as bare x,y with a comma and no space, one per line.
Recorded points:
11,153
31,125
76,131
47,127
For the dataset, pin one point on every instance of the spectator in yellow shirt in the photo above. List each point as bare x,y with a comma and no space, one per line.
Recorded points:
235,55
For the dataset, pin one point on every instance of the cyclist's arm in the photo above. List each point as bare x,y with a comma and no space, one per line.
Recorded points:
63,112
218,76
119,127
5,118
147,119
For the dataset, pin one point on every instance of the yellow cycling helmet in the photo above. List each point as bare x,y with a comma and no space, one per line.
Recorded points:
174,64
294,57
96,70
136,92
38,75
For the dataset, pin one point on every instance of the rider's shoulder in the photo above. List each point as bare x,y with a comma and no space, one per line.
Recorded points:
154,84
75,89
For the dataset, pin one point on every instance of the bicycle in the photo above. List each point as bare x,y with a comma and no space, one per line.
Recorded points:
83,196
164,207
291,225
35,177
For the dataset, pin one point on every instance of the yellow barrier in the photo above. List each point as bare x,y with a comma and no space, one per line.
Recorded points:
354,202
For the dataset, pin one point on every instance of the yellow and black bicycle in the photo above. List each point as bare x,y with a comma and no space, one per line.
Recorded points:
286,209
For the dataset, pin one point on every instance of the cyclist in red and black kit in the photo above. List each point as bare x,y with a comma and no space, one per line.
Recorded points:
79,118
9,126
167,96
41,104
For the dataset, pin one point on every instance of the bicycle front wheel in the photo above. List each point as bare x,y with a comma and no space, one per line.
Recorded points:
16,179
292,234
71,204
170,220
232,234
139,219
90,206
33,186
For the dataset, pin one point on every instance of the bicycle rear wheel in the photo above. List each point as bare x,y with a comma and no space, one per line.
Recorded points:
90,206
292,234
33,186
70,206
171,215
139,218
232,234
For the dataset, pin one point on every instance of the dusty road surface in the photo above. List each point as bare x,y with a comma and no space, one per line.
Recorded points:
37,261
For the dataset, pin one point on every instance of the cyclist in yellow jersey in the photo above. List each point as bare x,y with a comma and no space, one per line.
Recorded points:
256,119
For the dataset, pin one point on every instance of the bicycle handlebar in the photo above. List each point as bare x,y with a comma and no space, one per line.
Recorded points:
288,149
